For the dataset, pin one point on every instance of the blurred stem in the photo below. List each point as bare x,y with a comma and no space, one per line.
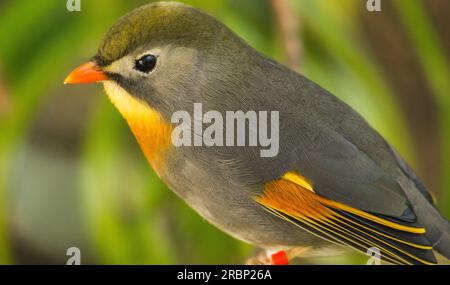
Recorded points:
437,71
5,257
402,69
5,99
288,25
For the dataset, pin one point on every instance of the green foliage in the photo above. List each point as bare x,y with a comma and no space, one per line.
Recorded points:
129,216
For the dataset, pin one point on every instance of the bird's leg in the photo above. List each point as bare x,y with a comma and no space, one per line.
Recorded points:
279,258
276,257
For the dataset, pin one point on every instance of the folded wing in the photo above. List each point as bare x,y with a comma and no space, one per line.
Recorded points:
293,199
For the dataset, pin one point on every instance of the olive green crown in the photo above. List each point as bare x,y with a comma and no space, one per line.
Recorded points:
164,22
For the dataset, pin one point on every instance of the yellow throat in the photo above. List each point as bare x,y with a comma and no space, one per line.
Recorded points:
152,132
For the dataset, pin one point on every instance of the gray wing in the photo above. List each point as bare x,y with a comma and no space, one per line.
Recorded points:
343,173
345,158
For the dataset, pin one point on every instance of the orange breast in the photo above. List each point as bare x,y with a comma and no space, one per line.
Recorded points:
153,136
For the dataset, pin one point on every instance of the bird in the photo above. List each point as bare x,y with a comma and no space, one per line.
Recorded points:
334,184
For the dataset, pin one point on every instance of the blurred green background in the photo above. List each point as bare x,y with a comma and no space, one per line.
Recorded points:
71,173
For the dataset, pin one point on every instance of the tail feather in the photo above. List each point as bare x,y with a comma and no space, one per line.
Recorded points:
443,243
437,227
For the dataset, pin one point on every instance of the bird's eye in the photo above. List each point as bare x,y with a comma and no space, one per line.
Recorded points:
146,63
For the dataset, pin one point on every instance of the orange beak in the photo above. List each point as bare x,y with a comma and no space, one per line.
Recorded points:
87,73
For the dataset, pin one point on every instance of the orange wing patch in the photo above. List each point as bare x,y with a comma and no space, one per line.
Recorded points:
293,198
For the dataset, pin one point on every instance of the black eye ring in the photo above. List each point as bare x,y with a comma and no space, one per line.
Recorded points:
146,63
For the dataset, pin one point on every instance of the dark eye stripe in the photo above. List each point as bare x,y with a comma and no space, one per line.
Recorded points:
146,63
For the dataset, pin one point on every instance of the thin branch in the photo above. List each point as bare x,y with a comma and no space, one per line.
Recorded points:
289,27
